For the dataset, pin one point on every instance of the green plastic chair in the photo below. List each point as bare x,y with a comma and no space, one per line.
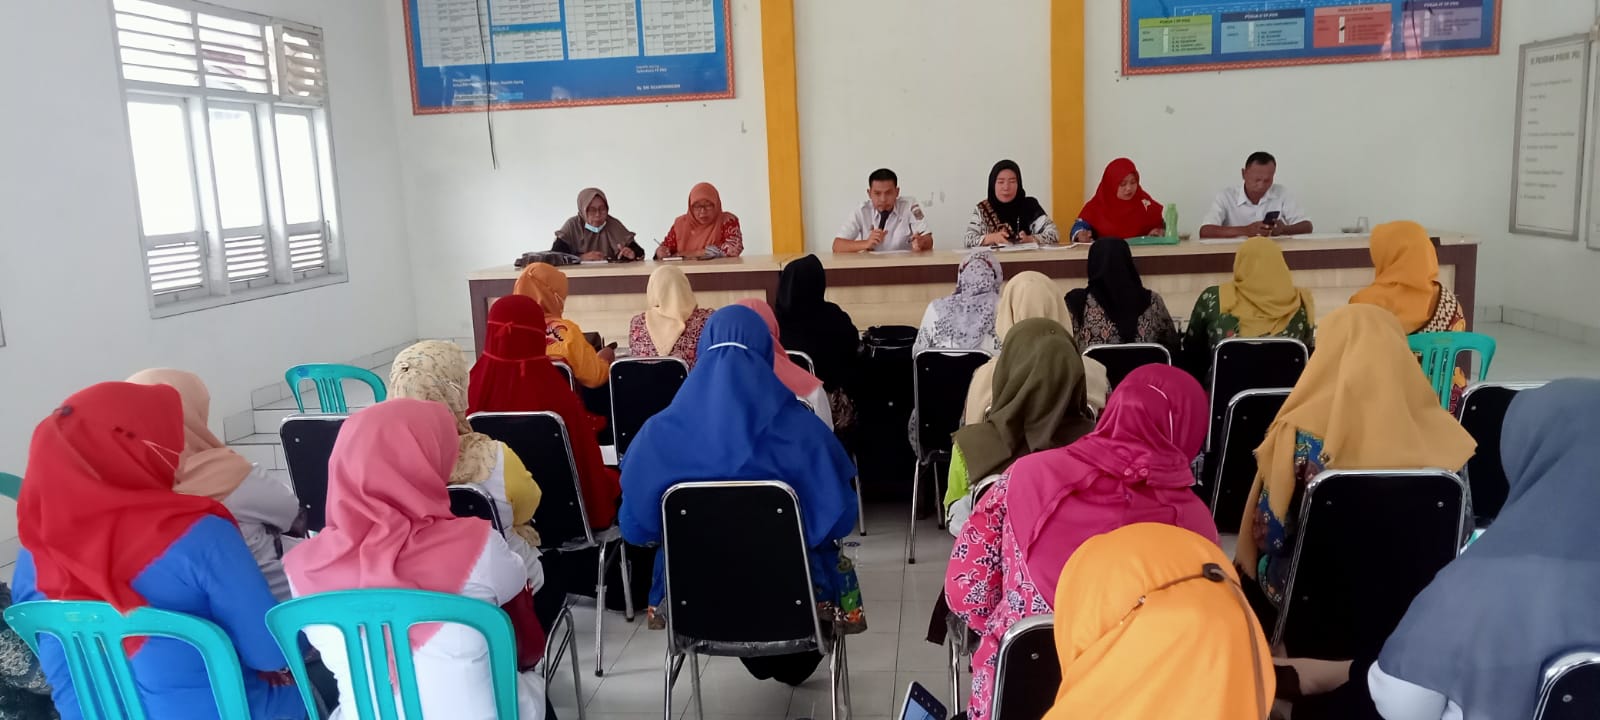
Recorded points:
329,379
1439,351
372,615
91,634
10,485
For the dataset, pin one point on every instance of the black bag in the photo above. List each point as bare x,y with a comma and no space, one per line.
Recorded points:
883,399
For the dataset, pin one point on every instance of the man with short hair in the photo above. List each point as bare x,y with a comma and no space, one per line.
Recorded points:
1242,210
886,221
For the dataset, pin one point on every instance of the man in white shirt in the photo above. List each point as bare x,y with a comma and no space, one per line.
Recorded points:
885,222
1242,210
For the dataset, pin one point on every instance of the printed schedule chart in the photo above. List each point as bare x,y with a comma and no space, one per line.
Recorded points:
468,55
1165,36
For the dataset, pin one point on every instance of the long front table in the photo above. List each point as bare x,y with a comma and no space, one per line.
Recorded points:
895,289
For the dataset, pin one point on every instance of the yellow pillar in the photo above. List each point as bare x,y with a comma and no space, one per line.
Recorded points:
783,126
1066,106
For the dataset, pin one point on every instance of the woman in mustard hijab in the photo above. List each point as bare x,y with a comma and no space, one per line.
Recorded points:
1262,301
565,339
1407,284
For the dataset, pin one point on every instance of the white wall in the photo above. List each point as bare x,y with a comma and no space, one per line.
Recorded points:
71,279
936,90
1428,140
461,214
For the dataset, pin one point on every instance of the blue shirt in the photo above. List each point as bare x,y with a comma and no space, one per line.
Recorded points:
207,572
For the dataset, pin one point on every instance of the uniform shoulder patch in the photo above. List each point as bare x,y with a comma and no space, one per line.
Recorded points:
916,211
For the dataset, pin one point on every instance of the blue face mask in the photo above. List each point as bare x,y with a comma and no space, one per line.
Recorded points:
592,228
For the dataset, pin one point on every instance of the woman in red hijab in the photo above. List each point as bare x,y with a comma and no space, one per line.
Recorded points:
1120,207
515,375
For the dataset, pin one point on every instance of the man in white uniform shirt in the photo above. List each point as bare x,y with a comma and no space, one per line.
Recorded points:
885,222
1242,210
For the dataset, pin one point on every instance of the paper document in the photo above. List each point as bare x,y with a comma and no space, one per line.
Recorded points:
1019,247
1329,236
1221,241
889,252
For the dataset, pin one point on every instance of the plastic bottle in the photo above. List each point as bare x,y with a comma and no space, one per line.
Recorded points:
1171,218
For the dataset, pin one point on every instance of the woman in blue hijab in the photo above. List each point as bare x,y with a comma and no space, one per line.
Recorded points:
763,432
1475,642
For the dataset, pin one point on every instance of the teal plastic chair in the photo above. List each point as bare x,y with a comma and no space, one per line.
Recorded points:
366,617
329,379
91,634
1439,352
10,485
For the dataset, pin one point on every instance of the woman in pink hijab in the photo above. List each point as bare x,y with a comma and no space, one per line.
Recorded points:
803,384
705,232
1134,468
390,526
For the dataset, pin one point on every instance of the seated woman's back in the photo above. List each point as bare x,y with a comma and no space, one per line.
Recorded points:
671,325
964,320
1116,307
1261,301
1407,284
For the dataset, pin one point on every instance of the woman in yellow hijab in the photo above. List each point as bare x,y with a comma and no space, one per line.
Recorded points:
1262,301
1407,284
546,284
672,325
1151,623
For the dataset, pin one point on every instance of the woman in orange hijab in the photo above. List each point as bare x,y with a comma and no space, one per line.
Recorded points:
1407,284
1151,623
705,232
548,286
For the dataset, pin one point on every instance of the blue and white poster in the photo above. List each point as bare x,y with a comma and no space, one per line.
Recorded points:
467,55
1170,36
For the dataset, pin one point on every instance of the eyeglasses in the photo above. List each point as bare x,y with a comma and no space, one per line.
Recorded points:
703,206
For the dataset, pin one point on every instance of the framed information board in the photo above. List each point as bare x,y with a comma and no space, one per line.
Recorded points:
1171,36
1552,121
466,55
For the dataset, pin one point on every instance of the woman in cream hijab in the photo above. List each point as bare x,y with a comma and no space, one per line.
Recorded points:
671,326
263,506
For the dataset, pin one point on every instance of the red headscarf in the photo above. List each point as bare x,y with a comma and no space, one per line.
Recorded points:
515,375
794,377
98,505
1113,217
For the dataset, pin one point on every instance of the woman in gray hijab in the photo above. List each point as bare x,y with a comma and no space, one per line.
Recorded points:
593,234
1474,643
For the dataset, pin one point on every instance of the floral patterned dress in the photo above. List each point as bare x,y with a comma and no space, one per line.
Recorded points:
1448,317
731,244
988,587
640,345
1155,325
24,691
1275,536
1209,325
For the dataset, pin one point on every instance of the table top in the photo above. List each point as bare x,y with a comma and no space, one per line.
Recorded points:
831,261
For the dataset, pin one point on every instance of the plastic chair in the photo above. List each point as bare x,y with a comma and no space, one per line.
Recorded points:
939,383
1570,689
10,485
329,379
91,635
1028,671
368,617
1439,351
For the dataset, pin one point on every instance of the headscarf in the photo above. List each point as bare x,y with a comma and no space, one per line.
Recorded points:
671,303
436,371
1113,217
965,319
1028,294
808,323
1115,284
513,374
694,237
1020,213
763,432
1365,396
207,467
544,283
389,521
1136,640
613,236
794,377
1263,295
1407,281
98,504
1523,594
1134,467
1039,399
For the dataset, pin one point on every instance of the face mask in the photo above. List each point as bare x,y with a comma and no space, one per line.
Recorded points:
592,228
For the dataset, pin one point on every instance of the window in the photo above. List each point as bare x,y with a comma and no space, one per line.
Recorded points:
228,121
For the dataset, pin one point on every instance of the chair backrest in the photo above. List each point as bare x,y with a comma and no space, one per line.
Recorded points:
1244,427
566,371
540,441
368,619
776,604
1570,689
1240,364
1123,359
307,445
470,501
91,634
1439,352
1029,673
640,388
803,360
1483,414
10,485
329,379
1369,542
940,379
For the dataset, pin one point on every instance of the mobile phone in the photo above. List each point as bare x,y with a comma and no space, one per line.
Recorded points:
1272,217
921,705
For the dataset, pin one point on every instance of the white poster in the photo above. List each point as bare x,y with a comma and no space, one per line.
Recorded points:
1552,113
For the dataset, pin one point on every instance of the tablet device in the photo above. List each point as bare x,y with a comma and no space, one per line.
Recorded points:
921,705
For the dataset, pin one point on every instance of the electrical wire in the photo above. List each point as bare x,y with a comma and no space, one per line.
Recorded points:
488,80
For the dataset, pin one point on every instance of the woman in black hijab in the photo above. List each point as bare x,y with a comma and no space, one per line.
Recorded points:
1116,308
1009,215
808,323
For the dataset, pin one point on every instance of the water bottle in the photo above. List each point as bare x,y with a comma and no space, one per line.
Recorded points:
1171,218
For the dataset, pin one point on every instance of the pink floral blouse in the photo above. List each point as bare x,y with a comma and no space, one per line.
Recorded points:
639,344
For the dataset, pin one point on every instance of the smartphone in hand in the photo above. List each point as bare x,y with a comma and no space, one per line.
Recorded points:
1272,218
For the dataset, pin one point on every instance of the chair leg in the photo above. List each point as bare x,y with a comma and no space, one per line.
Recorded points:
955,675
627,581
694,669
911,531
571,643
600,615
938,496
673,664
861,508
